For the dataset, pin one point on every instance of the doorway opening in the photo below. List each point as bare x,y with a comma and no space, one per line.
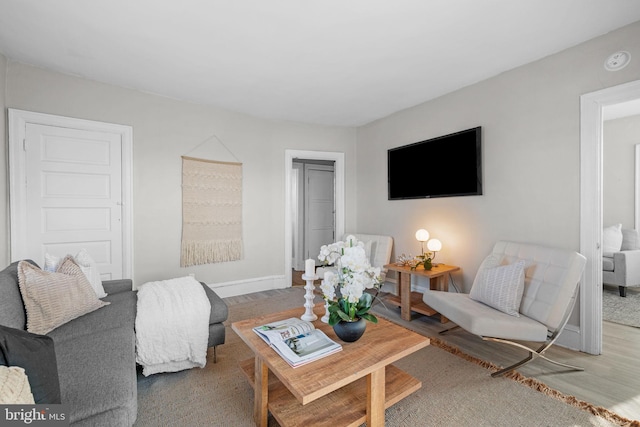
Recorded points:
313,208
591,215
321,161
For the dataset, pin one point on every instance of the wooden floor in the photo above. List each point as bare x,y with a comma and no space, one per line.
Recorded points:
610,380
296,278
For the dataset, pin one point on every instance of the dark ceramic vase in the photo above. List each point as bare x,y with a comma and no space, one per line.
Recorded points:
350,331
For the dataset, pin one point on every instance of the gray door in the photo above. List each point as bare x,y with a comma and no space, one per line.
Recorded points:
319,208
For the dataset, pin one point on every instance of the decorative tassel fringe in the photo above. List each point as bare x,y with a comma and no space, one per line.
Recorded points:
540,386
208,252
535,384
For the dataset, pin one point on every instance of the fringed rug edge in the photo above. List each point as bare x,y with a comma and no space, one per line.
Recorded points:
539,386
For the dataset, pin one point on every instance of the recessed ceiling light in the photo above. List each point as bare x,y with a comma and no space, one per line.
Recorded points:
617,61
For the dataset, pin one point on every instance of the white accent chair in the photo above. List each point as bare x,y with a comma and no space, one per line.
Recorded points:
551,279
377,247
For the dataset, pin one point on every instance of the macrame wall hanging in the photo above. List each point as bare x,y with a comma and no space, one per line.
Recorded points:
211,210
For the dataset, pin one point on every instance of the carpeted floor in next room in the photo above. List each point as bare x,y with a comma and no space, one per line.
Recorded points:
456,391
622,310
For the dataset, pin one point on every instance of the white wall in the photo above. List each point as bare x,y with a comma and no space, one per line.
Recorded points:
620,137
530,118
165,129
531,153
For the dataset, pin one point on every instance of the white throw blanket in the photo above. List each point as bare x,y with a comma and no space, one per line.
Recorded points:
172,325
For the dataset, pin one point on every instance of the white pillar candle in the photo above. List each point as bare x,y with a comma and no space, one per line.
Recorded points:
310,267
327,276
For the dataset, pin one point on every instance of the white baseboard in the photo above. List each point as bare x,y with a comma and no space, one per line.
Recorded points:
570,338
248,286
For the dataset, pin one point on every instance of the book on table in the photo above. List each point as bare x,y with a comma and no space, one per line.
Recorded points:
297,341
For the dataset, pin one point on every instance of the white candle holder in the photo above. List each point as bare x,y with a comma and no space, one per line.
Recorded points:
325,318
308,296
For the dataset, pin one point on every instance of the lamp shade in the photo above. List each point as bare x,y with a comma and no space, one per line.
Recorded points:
422,235
434,245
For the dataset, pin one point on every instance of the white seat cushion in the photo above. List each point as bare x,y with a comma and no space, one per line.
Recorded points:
480,319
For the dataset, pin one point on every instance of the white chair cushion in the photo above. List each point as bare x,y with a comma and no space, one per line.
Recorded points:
482,320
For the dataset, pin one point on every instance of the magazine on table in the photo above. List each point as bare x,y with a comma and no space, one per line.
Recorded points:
297,341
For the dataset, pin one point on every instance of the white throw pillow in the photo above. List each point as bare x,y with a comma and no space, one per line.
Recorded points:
611,239
491,261
630,240
500,287
51,263
90,269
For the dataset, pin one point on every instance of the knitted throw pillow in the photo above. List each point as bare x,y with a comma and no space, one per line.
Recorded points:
53,299
500,287
14,386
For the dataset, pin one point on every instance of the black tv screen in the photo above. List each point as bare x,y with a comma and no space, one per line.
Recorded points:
449,165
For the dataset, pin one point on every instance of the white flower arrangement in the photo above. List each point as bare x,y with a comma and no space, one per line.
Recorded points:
344,291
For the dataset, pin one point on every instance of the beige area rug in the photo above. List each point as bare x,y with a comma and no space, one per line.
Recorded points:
456,391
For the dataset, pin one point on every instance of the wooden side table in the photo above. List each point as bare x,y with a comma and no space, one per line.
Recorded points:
412,301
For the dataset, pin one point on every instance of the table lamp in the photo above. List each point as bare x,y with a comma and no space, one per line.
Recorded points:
434,245
422,236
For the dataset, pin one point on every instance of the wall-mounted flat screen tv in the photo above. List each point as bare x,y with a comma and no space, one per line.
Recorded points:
446,166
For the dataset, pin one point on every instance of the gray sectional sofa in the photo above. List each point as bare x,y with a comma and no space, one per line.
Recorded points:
94,354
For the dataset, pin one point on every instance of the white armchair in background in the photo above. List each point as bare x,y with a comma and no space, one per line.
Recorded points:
378,249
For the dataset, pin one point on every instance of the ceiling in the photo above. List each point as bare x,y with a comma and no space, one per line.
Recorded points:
330,62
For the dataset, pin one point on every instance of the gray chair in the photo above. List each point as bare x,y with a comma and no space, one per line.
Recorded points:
622,268
551,279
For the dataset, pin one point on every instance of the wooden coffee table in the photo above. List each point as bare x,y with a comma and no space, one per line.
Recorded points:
347,388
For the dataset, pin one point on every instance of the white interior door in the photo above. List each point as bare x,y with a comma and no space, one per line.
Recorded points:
68,194
319,208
